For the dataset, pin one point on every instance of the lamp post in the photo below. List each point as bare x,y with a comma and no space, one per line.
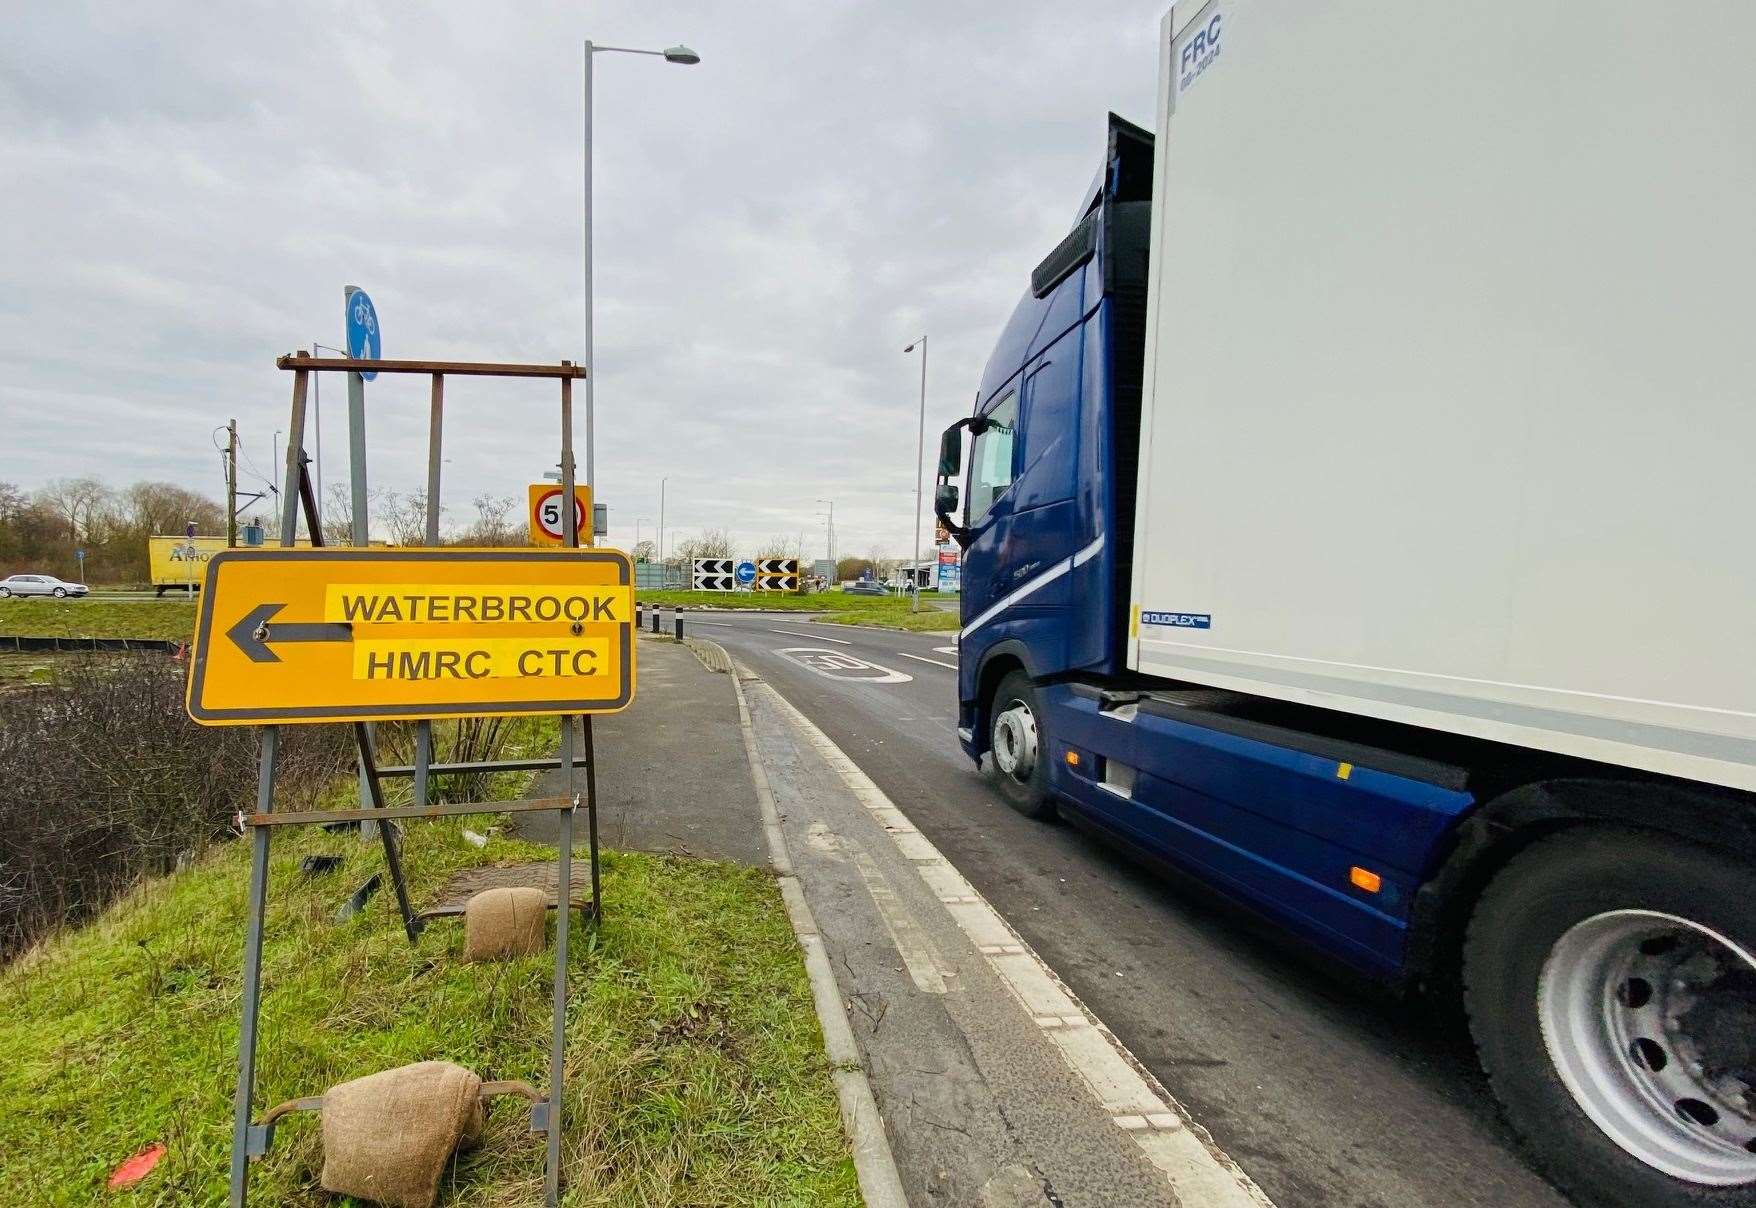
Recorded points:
638,521
675,54
663,570
914,577
829,532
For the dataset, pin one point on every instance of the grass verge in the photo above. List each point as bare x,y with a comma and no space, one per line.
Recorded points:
833,606
170,618
928,620
696,1073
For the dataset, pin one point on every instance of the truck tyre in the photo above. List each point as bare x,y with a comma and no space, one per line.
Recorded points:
1610,981
1019,747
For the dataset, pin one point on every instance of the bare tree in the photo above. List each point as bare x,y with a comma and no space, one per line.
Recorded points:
491,527
712,543
782,547
404,516
76,501
338,513
643,551
149,508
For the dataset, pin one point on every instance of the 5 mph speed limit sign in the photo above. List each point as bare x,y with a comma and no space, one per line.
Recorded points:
548,521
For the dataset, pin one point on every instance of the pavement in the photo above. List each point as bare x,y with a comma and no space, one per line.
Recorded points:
1041,1021
671,767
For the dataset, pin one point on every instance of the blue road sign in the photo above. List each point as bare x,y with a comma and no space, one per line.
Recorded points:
363,337
746,573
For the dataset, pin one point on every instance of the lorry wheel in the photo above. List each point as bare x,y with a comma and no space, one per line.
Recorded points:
1610,980
1019,747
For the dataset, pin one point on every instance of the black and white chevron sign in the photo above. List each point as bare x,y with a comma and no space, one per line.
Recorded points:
714,574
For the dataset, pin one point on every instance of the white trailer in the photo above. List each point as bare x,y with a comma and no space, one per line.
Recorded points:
1448,410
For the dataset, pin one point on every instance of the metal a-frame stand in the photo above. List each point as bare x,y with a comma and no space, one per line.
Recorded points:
251,1140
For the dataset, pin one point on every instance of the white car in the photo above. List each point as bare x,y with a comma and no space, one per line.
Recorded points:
40,585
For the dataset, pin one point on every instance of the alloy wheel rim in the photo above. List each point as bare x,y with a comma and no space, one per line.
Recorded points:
1636,1008
1015,741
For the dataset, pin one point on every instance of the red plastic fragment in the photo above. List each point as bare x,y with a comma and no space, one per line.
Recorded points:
137,1167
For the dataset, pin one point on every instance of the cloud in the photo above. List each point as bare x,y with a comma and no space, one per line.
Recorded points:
189,188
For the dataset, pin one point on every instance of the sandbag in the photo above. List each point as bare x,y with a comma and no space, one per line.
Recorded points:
387,1137
498,923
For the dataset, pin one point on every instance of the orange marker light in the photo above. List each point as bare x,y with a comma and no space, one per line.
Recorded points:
1365,879
1073,759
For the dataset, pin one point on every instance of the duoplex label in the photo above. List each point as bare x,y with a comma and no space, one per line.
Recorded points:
1177,620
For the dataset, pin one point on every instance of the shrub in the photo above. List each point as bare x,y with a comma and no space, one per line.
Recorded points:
104,780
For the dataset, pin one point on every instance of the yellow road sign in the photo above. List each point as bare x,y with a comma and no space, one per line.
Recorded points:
547,517
323,635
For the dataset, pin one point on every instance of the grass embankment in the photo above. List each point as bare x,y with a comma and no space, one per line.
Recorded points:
696,1073
170,618
889,612
928,620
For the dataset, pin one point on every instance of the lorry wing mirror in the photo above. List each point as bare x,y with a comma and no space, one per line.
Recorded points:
945,499
950,453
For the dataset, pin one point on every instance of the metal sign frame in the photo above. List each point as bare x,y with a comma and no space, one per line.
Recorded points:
252,1140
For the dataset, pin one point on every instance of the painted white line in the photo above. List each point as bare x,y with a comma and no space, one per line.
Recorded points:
951,650
839,665
923,659
794,633
1199,1171
874,1164
918,954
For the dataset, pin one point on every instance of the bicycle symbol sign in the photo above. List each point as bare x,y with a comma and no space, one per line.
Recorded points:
364,342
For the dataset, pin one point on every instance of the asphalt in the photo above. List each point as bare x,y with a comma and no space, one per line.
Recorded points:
672,776
1323,1088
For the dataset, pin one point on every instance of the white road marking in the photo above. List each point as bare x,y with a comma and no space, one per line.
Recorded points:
923,659
951,650
1199,1171
794,633
840,665
917,952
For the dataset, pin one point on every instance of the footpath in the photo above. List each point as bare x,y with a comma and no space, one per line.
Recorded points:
968,1074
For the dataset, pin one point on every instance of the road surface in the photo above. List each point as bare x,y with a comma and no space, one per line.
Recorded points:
1326,1090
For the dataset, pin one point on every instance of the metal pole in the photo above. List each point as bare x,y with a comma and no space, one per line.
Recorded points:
591,365
435,432
317,426
564,857
231,484
663,573
258,905
258,895
920,454
357,478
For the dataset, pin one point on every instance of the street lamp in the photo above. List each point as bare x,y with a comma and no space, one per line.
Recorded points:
676,54
829,532
914,577
638,521
662,482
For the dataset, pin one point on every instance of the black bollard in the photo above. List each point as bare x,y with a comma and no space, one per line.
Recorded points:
678,619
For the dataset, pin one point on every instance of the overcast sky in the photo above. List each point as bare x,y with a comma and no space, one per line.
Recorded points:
186,188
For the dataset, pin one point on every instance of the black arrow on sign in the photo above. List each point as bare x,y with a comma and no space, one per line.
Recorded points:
252,635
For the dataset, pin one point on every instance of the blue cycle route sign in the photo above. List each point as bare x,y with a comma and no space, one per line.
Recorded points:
746,573
363,336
